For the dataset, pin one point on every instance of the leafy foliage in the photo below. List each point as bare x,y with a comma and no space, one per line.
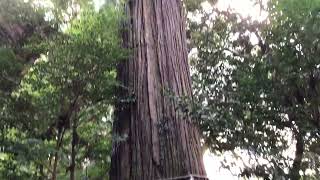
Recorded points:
256,85
62,99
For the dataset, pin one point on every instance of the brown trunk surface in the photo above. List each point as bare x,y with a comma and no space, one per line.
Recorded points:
161,142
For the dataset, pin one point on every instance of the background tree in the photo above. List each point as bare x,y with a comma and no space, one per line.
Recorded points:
256,86
66,88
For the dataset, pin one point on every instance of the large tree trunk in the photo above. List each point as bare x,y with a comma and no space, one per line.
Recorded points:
160,142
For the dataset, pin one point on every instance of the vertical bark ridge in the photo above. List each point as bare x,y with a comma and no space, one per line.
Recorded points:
162,142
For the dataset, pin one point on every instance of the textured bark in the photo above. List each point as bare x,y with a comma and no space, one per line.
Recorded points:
161,142
11,33
15,34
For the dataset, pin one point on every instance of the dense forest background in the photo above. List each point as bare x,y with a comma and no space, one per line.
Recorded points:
256,86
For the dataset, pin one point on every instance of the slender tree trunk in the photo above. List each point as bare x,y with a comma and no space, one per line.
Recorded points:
40,172
296,166
160,142
55,164
56,154
73,150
